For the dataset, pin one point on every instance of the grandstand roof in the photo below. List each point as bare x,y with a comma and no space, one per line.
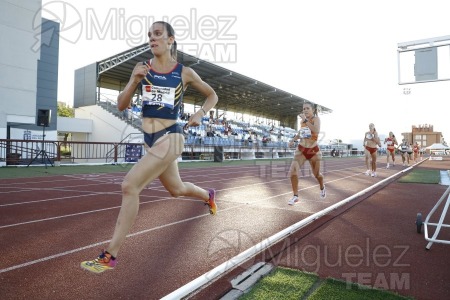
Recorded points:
236,92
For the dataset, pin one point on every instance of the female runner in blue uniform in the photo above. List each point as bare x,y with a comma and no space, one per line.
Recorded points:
162,81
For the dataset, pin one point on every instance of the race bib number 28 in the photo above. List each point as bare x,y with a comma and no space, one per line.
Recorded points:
158,95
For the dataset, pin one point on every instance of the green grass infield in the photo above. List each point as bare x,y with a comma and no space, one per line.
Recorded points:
285,283
421,176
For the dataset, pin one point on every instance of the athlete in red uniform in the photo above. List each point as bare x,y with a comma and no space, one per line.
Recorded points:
390,141
371,141
416,151
307,150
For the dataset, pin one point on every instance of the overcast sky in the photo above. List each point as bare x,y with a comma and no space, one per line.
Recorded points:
339,54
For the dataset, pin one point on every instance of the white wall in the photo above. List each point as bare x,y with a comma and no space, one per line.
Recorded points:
18,58
105,126
72,125
20,133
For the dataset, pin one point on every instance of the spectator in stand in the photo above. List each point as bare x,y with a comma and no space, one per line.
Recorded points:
209,130
230,130
250,141
225,130
333,152
211,117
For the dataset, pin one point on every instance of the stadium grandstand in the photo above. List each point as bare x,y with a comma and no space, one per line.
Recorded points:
236,92
251,120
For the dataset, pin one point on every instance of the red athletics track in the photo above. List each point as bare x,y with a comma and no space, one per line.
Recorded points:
49,225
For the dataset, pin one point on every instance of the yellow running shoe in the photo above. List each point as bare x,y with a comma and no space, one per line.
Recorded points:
103,262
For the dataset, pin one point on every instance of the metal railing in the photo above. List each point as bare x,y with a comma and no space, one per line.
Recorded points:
22,152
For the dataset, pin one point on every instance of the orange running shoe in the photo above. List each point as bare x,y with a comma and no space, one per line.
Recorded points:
212,202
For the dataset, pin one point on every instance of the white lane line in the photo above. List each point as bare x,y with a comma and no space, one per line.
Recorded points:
143,231
59,198
29,263
144,202
78,214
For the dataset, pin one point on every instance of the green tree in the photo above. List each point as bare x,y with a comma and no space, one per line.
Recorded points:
65,111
